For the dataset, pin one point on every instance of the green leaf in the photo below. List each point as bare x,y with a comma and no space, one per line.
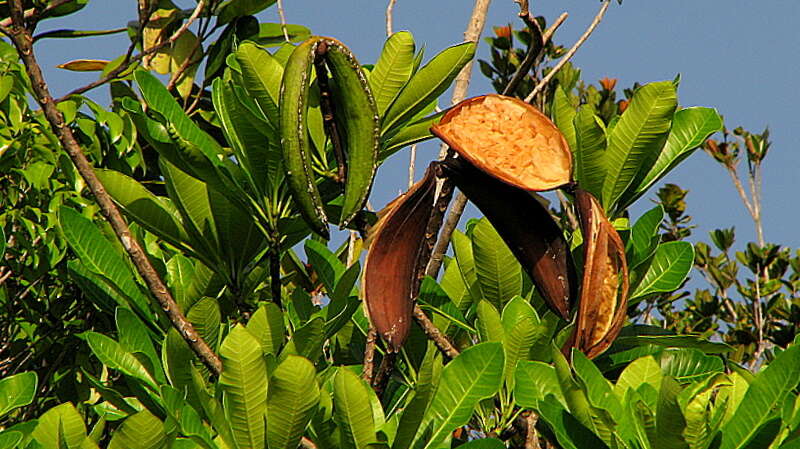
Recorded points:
489,324
327,266
690,128
156,214
140,431
534,382
261,76
413,413
244,384
61,426
206,317
590,140
637,139
462,248
115,357
272,34
409,135
134,337
353,411
266,325
101,257
641,243
17,391
571,434
689,365
9,439
484,443
669,418
670,266
598,389
393,69
232,9
563,116
674,341
644,370
522,329
475,374
499,272
292,400
767,390
427,84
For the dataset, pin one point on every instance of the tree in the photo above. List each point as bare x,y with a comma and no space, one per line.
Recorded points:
205,328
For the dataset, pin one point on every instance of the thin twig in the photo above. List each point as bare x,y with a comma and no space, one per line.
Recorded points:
176,75
34,13
367,372
571,52
532,437
282,16
434,333
23,41
382,375
565,206
412,162
112,75
450,224
389,17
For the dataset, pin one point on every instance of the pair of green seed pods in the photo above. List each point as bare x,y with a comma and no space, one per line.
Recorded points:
352,125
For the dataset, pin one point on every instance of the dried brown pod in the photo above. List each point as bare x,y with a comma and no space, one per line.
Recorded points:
527,228
604,292
396,241
509,139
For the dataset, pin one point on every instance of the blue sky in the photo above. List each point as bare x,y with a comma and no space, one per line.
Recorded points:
739,57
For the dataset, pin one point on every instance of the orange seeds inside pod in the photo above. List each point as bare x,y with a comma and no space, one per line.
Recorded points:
395,243
604,292
509,139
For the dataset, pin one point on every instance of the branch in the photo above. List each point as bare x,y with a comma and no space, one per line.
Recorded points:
434,333
112,75
33,13
532,57
389,17
282,16
571,52
447,232
23,41
368,370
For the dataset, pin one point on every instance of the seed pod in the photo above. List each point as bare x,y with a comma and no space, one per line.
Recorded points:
294,136
356,117
527,228
508,139
604,292
396,241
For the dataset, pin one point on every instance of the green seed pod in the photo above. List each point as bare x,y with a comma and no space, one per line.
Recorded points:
357,119
294,135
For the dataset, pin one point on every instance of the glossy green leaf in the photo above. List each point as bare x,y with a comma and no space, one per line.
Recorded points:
231,9
410,134
563,116
156,214
325,264
115,357
644,370
244,384
266,325
590,140
352,410
598,388
489,323
499,273
308,339
140,431
134,338
292,400
61,426
571,434
689,365
484,443
675,341
261,75
690,128
475,374
272,34
534,382
427,84
637,139
462,248
670,422
101,257
643,239
16,391
393,69
413,413
767,390
9,439
205,316
522,329
668,269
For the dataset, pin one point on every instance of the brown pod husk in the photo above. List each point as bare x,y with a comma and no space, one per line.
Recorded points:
604,292
509,139
396,241
527,228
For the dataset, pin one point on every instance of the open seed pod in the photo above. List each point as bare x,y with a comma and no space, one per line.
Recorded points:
527,228
604,292
396,241
509,139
